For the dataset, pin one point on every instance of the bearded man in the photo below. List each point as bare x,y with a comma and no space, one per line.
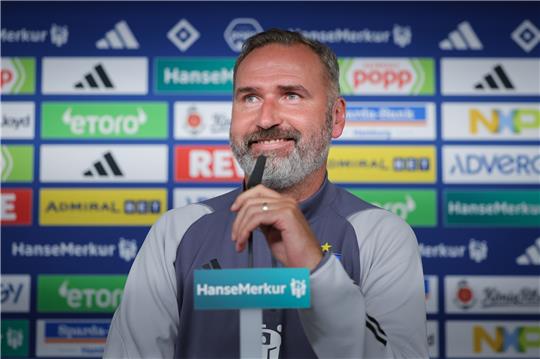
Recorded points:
367,296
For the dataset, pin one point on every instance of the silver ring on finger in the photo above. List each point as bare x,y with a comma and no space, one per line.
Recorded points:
265,207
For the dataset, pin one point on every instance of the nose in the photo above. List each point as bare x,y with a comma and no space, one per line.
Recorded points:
268,116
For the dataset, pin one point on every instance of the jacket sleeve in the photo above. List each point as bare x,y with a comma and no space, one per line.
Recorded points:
384,315
145,325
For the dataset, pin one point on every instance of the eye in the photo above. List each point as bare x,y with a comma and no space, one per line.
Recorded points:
292,96
250,99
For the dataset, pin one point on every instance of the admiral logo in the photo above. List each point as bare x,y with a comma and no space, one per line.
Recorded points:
202,120
206,164
501,208
183,35
100,120
501,339
491,121
387,76
95,75
15,338
485,76
463,38
103,163
239,30
79,293
15,292
186,196
400,34
484,164
16,206
17,163
58,35
71,337
18,120
18,75
103,206
120,37
125,249
389,121
207,75
531,255
362,164
492,294
526,35
477,251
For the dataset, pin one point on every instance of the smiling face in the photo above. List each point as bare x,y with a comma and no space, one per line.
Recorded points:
281,109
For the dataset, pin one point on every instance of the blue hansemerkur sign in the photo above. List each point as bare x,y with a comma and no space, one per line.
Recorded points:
263,288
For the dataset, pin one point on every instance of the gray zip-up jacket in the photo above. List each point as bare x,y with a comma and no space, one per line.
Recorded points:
367,298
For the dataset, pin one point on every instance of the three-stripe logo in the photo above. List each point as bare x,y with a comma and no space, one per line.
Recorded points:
90,79
100,169
531,255
120,37
463,38
496,80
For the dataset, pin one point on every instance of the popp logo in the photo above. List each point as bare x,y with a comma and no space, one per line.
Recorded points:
385,77
6,77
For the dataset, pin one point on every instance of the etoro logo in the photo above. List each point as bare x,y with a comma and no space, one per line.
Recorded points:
386,76
18,75
206,164
80,293
239,30
99,120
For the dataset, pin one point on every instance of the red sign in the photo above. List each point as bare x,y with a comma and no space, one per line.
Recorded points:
16,206
200,163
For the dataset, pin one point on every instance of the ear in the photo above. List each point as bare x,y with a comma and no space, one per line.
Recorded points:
338,117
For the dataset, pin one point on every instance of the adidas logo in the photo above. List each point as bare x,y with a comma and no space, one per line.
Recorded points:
104,167
463,38
120,37
531,255
90,79
496,80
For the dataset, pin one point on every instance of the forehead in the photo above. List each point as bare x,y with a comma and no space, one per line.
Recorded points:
277,61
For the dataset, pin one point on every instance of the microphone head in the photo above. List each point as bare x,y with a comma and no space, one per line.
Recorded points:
256,176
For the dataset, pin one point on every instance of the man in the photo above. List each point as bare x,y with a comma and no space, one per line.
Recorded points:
367,287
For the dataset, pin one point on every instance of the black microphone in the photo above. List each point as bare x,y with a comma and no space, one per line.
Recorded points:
254,180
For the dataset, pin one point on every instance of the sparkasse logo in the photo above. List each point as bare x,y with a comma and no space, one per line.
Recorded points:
200,163
489,164
387,76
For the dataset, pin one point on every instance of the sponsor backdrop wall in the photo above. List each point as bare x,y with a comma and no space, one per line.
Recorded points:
113,113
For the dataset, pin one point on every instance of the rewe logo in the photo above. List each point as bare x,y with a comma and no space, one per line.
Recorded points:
239,30
464,38
90,298
16,206
91,79
206,164
81,124
104,168
120,37
531,255
496,80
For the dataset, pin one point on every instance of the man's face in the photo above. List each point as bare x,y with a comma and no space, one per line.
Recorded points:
280,109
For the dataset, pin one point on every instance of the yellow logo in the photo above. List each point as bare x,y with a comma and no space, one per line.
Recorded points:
101,206
379,164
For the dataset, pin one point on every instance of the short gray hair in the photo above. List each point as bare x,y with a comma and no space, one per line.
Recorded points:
283,37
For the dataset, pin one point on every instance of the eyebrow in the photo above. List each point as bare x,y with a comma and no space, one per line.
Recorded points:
282,88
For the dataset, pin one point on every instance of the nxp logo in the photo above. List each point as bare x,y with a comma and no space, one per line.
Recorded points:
239,30
522,339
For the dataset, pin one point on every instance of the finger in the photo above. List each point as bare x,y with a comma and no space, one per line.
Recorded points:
250,206
253,220
257,191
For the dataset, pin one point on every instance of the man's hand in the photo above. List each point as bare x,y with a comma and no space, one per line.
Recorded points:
288,234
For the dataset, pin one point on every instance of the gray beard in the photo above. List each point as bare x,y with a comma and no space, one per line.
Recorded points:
280,173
